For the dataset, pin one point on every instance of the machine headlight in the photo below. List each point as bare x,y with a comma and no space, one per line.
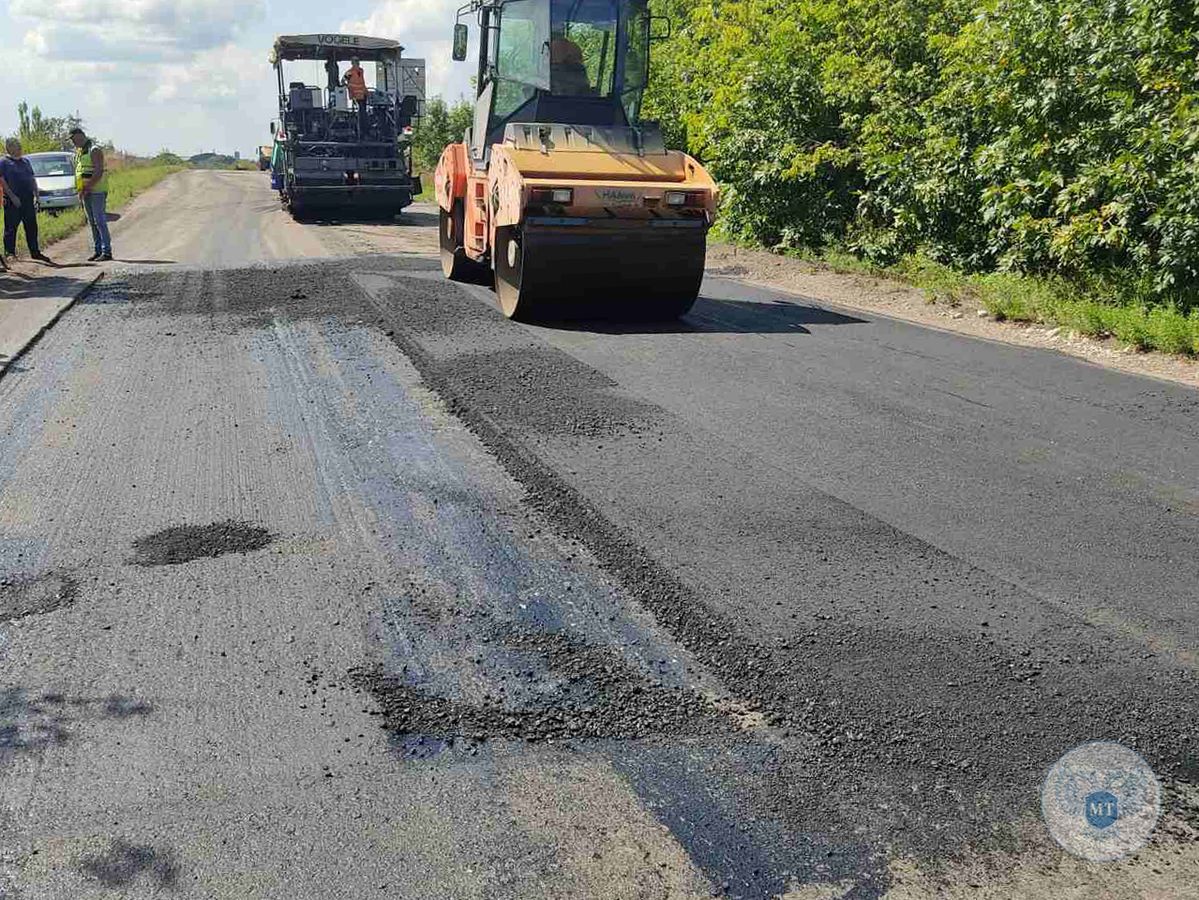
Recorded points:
561,196
675,198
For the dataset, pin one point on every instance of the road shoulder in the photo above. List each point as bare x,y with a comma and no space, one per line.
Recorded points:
901,301
32,297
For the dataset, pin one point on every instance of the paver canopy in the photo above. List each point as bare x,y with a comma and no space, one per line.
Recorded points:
344,46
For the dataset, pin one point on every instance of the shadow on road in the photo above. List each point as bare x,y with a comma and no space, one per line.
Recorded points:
43,286
31,723
411,217
406,219
70,265
122,862
712,316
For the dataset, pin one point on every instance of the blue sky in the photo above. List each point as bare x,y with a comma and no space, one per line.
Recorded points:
191,75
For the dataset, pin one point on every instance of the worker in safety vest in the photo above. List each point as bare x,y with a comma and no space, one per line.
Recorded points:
91,180
355,82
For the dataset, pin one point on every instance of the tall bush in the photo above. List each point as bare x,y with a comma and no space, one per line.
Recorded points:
1030,135
441,124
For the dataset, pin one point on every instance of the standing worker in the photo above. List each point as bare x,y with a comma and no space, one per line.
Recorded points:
3,264
20,186
278,159
355,82
91,180
331,76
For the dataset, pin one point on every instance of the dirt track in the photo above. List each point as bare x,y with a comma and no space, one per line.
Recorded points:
323,580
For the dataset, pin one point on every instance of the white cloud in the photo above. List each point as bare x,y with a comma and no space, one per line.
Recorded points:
131,30
189,74
192,74
425,28
59,42
411,22
214,77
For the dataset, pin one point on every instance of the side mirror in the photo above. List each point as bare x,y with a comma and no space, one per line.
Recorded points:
460,38
408,106
272,129
659,28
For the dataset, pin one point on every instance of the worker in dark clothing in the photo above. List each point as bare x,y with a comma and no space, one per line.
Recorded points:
568,71
332,75
3,203
21,206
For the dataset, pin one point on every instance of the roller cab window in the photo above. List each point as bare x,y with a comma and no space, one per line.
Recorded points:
635,65
521,56
583,47
569,48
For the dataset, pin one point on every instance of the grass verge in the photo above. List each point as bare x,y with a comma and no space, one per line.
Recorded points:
427,193
123,186
1099,308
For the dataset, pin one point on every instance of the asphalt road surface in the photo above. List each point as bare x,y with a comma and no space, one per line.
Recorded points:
319,579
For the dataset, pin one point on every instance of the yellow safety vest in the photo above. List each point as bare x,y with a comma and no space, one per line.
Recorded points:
84,169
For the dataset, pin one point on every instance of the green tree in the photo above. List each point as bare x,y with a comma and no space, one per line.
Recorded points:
166,158
38,132
1048,136
441,124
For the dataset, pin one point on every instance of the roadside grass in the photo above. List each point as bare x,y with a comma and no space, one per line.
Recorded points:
427,194
1102,308
1124,310
123,185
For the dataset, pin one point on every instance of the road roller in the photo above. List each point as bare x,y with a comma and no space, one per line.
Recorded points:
559,194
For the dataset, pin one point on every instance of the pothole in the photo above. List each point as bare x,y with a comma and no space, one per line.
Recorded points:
29,596
185,543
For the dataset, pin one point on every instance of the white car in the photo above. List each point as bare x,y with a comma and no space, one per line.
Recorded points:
55,176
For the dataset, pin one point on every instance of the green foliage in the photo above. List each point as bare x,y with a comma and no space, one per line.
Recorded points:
441,124
1058,138
39,133
1120,306
212,161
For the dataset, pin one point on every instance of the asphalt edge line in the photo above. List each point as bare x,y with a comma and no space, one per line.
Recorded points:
7,364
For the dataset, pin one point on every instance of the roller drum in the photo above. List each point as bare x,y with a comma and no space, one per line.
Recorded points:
648,272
